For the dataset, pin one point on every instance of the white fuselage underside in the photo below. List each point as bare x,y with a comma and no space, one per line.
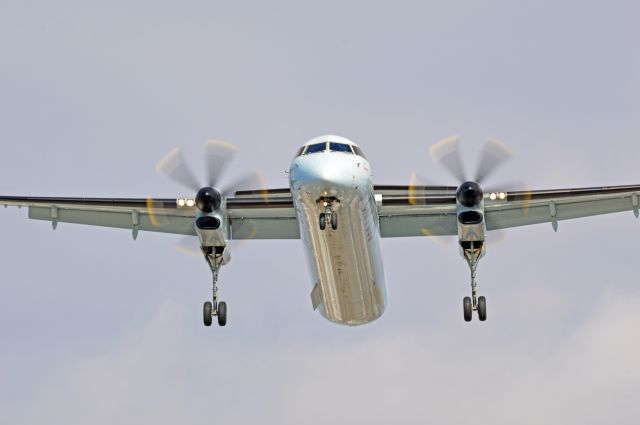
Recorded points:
346,263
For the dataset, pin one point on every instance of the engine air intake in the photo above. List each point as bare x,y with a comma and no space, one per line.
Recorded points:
208,223
470,217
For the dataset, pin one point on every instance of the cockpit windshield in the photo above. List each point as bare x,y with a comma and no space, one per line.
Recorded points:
340,147
318,147
333,147
358,151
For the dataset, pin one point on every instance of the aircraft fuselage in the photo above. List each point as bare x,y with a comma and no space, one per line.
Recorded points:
348,281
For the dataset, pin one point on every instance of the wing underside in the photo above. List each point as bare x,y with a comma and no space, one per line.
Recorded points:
550,206
403,210
250,216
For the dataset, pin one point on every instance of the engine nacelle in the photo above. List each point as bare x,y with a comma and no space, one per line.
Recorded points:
211,229
470,214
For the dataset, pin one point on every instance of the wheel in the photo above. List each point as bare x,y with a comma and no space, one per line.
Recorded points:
323,221
468,309
222,313
334,221
207,315
482,309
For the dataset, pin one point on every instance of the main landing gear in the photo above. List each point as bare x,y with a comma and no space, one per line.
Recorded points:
329,214
472,253
214,258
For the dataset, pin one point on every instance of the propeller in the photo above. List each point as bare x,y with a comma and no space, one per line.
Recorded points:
447,153
218,154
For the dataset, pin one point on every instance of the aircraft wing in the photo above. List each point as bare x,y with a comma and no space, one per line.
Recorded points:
263,214
550,206
416,210
251,216
431,211
403,210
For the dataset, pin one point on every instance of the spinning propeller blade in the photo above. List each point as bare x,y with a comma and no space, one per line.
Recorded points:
447,153
218,154
443,241
174,166
190,245
494,154
157,213
251,180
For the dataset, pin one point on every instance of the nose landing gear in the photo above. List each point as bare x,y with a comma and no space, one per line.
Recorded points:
330,205
214,308
472,253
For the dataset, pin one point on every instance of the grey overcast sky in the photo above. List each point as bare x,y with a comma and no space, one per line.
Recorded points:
95,328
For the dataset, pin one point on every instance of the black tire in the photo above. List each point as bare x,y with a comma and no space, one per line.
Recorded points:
467,308
334,221
207,316
222,313
482,309
323,221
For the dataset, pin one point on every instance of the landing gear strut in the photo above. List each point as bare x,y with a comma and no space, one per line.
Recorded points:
472,253
214,258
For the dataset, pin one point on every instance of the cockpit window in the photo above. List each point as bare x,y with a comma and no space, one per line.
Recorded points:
358,151
299,152
318,147
340,147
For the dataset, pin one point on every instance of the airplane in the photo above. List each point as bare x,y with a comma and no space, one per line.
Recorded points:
333,206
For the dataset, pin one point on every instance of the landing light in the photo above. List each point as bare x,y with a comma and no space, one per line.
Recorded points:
185,202
498,195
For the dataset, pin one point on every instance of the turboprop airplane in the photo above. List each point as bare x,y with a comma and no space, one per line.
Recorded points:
334,207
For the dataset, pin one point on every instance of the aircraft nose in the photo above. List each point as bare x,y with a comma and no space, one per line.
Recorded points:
328,173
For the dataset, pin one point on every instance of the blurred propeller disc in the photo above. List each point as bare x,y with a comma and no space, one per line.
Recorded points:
494,154
413,188
190,245
420,188
157,213
174,166
248,181
443,241
447,153
218,154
